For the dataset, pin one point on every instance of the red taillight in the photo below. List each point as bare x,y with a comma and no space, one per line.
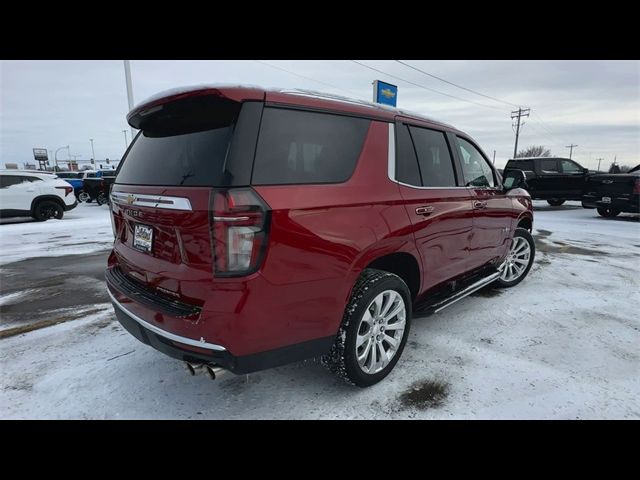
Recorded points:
636,186
239,226
67,190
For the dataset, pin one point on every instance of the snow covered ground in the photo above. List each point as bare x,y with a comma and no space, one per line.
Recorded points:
562,344
84,229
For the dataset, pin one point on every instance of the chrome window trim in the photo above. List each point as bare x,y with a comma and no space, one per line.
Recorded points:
391,165
152,201
163,333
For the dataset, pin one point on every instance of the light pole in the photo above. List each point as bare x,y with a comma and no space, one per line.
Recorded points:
126,144
93,152
56,154
127,76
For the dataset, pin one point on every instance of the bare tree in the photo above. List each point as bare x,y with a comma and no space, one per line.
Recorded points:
534,151
615,168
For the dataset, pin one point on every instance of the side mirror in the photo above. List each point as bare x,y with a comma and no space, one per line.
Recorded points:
585,170
514,179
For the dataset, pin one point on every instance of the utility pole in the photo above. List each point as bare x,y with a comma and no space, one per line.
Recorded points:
92,150
126,144
570,147
599,160
494,157
521,112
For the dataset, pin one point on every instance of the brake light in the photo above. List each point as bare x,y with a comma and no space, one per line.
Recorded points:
67,190
239,227
636,186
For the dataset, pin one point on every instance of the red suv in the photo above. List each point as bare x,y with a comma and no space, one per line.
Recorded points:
255,228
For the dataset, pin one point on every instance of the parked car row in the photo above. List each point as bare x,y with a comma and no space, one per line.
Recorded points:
90,185
557,180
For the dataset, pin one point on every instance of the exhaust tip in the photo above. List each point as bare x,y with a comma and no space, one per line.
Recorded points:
192,368
214,371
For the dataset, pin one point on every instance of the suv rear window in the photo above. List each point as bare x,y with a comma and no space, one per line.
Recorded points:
185,144
307,147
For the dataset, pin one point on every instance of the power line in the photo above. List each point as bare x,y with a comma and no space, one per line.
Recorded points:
456,85
307,78
425,88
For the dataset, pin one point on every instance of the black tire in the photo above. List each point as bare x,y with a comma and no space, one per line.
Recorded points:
83,196
101,199
608,212
555,202
522,233
47,209
342,360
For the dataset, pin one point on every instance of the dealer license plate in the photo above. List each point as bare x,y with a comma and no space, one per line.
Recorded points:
606,199
143,238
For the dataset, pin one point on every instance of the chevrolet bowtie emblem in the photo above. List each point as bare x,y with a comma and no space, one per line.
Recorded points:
131,199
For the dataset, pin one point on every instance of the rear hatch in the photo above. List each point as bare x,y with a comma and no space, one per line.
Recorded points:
189,153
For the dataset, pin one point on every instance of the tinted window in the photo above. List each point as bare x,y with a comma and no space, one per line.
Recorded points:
434,158
406,160
475,167
69,175
570,167
184,144
9,180
520,164
307,147
549,166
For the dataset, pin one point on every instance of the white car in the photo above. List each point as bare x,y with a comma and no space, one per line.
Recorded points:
36,194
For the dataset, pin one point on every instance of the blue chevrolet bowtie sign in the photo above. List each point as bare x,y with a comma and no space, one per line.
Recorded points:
385,93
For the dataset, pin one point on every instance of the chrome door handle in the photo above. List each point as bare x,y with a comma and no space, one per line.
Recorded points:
479,204
426,210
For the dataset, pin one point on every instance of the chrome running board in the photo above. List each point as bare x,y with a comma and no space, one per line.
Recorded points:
442,304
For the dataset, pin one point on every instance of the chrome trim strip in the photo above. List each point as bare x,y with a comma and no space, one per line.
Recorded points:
152,201
391,159
163,333
230,219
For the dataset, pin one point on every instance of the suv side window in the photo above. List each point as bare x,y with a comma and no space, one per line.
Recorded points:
407,170
9,180
434,157
475,168
298,147
549,166
570,167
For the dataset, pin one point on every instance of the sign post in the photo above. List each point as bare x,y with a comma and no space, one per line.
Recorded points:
385,93
42,157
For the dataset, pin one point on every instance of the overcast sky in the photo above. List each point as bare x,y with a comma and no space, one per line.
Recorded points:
595,104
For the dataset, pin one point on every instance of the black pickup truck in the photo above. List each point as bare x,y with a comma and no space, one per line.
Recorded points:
553,179
613,193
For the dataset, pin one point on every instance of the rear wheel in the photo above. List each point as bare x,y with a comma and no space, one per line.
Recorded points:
48,209
608,212
519,260
555,202
374,329
102,199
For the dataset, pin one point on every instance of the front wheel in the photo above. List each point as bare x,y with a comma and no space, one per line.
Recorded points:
555,202
374,329
519,259
608,212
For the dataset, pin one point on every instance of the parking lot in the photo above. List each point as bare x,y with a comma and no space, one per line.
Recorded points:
562,344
